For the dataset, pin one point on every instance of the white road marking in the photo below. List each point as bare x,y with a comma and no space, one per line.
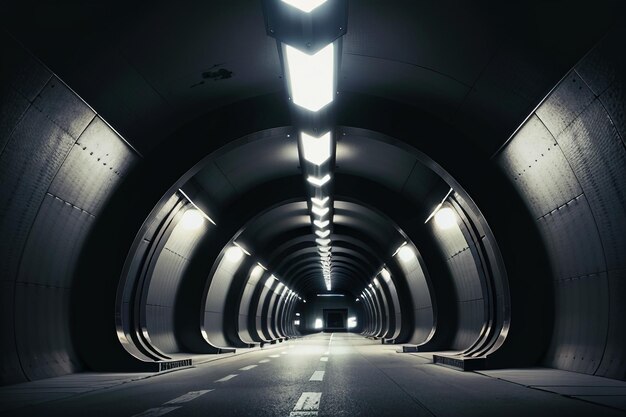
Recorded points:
283,352
324,359
227,378
274,356
317,376
247,368
187,397
264,361
308,404
155,412
327,353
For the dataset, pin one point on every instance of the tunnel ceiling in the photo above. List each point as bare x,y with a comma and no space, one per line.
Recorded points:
148,69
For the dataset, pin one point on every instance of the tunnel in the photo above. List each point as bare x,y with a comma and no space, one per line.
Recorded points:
313,207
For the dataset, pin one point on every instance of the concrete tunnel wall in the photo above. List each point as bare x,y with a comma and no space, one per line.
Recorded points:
49,202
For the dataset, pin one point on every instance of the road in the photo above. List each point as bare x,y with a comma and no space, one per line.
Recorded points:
336,374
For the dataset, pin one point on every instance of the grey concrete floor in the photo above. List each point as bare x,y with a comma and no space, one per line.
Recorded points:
327,375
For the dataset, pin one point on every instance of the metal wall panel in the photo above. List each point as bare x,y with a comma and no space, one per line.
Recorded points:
585,235
532,157
598,156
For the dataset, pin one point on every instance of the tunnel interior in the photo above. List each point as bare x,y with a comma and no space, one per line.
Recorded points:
168,190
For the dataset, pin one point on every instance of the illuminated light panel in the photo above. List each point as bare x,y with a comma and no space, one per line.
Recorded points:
316,150
307,6
296,322
320,201
318,324
192,219
321,224
323,242
323,248
311,77
234,254
351,322
318,182
445,218
322,234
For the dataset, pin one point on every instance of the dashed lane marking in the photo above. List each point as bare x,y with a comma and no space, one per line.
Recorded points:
274,356
317,376
324,359
264,361
308,404
187,397
247,368
227,378
155,412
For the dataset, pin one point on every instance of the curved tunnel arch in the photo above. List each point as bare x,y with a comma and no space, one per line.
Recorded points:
485,186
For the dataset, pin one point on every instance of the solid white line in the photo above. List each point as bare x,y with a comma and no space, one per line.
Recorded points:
264,361
155,412
227,377
274,356
324,359
308,401
188,397
317,376
247,368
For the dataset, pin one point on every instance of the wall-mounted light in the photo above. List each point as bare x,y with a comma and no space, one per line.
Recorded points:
307,6
242,248
297,314
351,322
318,324
296,322
358,299
406,253
385,274
202,213
318,182
234,254
261,265
445,218
192,219
311,77
316,150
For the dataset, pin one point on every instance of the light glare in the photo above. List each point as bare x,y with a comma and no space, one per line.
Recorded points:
192,220
445,218
234,254
311,76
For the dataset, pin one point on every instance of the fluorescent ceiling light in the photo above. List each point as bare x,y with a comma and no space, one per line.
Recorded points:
192,219
325,233
320,201
307,6
330,295
311,77
328,286
323,248
316,150
321,223
445,218
318,182
320,211
259,264
322,242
